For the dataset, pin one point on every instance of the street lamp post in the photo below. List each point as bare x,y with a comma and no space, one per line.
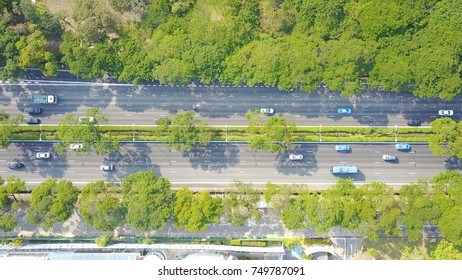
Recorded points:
396,133
40,132
320,128
226,132
133,132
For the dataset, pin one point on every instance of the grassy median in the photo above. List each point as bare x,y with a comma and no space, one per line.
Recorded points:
302,134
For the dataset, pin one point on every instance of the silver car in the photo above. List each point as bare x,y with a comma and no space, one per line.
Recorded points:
42,155
445,112
388,157
75,146
267,111
106,167
295,157
84,119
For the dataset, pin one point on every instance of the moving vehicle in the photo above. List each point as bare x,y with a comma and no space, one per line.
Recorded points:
413,122
106,167
344,111
15,165
76,146
343,169
84,119
45,99
342,148
445,112
42,155
388,157
32,110
402,146
267,111
295,157
32,120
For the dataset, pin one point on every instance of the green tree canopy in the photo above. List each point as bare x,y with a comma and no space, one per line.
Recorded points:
33,53
240,204
417,206
274,134
8,127
446,251
195,211
148,199
100,204
184,132
52,202
446,137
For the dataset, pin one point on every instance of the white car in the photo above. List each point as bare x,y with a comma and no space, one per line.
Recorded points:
42,155
388,157
445,112
84,119
76,146
295,157
267,111
106,167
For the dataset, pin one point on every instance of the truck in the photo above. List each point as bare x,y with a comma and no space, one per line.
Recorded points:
343,169
45,98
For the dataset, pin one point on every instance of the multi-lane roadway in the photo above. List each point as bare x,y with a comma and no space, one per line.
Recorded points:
223,105
221,163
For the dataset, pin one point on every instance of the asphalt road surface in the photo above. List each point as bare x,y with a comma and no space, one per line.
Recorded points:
222,105
219,164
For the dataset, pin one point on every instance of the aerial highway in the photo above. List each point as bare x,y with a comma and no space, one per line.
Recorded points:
126,104
219,164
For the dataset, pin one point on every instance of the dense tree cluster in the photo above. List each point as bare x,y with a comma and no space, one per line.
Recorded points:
396,45
446,139
146,202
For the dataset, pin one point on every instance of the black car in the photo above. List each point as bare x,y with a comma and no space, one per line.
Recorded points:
15,165
32,110
32,120
412,122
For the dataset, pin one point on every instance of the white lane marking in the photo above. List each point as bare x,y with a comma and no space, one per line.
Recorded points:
411,173
376,161
377,173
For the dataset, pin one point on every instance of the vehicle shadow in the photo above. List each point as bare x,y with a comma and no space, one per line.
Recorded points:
359,176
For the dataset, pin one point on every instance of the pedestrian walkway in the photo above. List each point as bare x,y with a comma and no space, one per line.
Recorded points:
270,226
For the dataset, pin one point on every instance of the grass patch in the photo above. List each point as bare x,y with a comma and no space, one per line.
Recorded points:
302,134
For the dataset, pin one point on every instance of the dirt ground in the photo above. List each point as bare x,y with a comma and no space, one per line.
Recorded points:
387,249
55,6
